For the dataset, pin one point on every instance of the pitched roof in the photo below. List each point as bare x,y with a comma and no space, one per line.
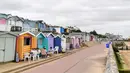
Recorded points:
62,35
38,33
27,32
47,34
57,35
4,32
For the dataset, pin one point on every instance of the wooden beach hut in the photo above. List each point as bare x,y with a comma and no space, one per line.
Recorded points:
57,42
68,41
25,42
41,40
7,46
77,41
63,43
73,42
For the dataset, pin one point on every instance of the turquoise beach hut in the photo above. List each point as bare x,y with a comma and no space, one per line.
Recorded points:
41,40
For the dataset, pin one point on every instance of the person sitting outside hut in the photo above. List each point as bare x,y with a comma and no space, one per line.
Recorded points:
43,53
50,52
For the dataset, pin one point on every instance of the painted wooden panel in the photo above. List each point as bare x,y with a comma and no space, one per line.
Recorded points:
57,42
34,42
67,45
50,36
9,49
73,42
63,43
40,41
21,48
2,43
50,42
45,43
77,42
68,41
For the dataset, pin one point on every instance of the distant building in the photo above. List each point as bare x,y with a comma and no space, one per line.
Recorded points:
15,23
10,23
30,25
83,35
59,29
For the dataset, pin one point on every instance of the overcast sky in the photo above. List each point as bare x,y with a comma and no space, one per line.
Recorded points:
111,16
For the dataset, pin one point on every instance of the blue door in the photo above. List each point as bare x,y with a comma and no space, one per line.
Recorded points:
57,42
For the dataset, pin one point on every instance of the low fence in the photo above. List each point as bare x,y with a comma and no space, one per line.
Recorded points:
111,65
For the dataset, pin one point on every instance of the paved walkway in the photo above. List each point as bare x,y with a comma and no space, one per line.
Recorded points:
89,60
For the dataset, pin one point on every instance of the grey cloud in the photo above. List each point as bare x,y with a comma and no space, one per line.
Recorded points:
90,14
12,5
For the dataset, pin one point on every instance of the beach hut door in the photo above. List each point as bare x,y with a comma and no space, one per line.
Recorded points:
9,49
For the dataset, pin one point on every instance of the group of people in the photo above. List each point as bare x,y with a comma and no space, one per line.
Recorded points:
45,53
37,53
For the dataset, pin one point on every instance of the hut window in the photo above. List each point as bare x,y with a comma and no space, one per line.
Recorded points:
40,41
27,41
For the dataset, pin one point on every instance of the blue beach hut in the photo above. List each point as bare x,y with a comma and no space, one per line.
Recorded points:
57,42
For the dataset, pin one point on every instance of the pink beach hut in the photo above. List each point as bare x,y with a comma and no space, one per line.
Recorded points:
77,42
73,42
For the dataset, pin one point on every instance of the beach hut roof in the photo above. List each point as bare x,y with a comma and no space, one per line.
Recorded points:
16,33
57,35
62,35
47,34
68,36
2,33
38,33
27,32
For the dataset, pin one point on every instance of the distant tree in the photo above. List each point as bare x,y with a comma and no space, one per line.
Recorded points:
79,30
93,32
76,31
101,36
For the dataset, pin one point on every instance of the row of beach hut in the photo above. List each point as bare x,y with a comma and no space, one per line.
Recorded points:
22,42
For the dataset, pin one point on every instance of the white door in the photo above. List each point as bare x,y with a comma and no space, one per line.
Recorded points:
9,50
63,43
2,49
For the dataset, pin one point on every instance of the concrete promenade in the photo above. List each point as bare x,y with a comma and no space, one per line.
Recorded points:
89,60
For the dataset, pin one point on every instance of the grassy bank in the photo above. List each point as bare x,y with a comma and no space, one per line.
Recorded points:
122,66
